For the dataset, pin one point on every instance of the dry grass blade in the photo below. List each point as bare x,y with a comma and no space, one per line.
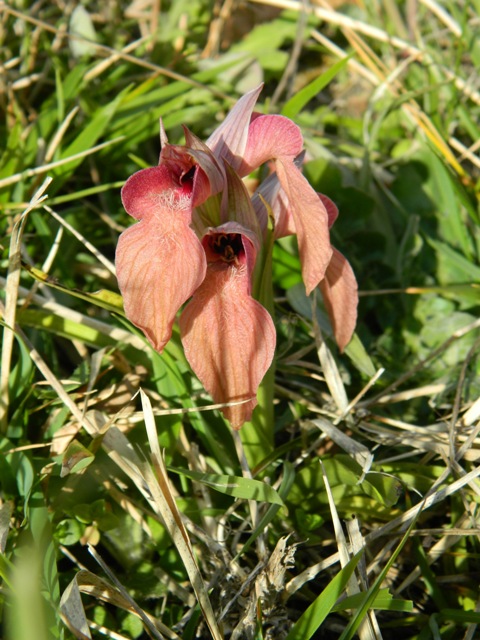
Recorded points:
346,22
88,245
401,523
472,326
444,17
438,550
11,296
357,450
96,587
329,366
370,627
37,171
155,488
366,630
165,503
103,49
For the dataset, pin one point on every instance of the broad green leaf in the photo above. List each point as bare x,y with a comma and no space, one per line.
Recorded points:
235,486
69,531
450,216
453,266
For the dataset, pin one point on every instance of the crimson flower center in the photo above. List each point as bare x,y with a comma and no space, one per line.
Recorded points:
227,246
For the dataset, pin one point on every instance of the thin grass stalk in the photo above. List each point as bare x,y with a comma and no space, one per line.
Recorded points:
11,296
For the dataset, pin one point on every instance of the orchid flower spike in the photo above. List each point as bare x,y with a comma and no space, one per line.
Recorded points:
196,241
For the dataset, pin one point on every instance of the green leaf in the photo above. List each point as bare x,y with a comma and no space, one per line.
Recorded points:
76,458
103,298
89,136
235,486
63,327
354,350
453,266
384,601
21,374
68,531
384,488
302,97
284,490
312,618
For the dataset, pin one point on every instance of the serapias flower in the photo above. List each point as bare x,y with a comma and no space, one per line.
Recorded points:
228,337
197,239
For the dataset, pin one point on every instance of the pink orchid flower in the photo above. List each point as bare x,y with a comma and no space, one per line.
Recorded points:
228,337
197,238
160,260
300,210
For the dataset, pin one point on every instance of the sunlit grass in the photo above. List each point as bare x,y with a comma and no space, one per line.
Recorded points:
137,510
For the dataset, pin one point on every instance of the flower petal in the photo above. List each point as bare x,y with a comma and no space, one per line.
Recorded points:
228,337
331,207
340,294
228,141
145,189
270,137
311,223
160,262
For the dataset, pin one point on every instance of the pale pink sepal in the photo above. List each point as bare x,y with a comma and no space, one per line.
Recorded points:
340,295
160,261
229,140
331,207
228,337
311,223
270,137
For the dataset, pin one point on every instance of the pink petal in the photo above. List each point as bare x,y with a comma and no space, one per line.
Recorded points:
160,262
340,295
311,223
331,207
146,189
229,140
270,137
228,337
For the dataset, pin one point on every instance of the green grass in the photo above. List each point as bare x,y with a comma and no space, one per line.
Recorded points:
128,508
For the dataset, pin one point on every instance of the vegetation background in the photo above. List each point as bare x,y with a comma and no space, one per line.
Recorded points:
135,516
